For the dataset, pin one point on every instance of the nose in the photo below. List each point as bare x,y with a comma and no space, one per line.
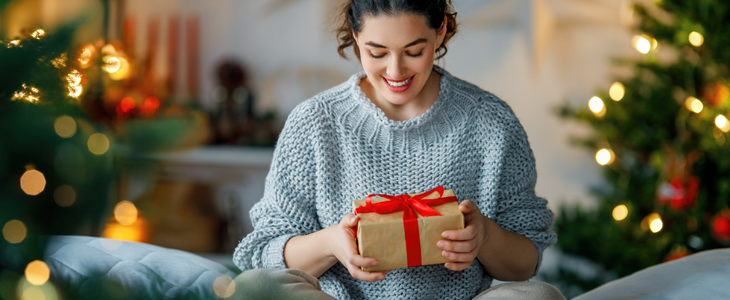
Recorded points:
395,68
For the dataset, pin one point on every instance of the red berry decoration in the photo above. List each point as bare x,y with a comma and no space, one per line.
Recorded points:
720,227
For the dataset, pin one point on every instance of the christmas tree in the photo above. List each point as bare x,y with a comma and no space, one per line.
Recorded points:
661,137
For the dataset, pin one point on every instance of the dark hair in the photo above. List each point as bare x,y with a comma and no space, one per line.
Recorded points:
433,10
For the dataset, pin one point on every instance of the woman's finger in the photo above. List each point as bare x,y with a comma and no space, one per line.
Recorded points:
465,246
467,206
459,257
468,233
457,266
361,261
357,273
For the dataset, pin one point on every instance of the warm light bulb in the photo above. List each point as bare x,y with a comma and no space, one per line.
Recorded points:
656,225
605,157
75,91
74,78
37,273
696,39
32,182
111,64
65,126
620,212
98,143
38,34
125,213
643,45
597,107
14,231
617,91
693,104
722,123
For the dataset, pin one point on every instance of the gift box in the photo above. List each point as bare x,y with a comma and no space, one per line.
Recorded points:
402,231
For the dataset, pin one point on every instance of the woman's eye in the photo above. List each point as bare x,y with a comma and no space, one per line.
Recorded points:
415,55
376,56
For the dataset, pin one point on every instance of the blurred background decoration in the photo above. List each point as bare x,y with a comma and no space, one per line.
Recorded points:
661,137
155,121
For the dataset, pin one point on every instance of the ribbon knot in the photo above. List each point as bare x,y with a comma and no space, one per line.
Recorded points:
411,207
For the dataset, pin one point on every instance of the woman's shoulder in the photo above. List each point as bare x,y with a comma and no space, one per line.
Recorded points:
486,103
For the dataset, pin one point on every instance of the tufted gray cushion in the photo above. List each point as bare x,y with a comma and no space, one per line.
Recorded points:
91,267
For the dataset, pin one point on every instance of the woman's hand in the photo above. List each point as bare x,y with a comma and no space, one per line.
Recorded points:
462,246
341,245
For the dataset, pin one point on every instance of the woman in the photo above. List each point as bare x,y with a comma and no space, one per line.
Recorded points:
401,126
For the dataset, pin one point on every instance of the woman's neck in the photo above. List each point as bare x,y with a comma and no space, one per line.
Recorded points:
414,108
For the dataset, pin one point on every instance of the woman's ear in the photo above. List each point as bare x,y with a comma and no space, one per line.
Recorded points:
442,32
354,35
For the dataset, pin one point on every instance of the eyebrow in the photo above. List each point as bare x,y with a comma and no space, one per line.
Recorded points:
416,42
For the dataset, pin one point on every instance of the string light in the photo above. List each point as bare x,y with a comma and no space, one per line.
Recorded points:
14,231
224,286
125,212
722,123
65,126
74,78
38,34
605,157
75,91
32,182
620,212
37,273
111,64
693,104
597,107
696,39
85,57
644,43
60,62
108,49
98,143
14,43
652,222
617,91
27,93
123,71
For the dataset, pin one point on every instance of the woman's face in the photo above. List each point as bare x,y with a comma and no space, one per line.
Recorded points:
397,54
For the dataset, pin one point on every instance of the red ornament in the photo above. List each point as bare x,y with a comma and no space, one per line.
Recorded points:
720,227
678,194
677,253
125,106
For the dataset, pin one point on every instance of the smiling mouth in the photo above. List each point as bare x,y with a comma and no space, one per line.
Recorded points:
399,83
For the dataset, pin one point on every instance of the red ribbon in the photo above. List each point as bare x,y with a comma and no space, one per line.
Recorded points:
410,206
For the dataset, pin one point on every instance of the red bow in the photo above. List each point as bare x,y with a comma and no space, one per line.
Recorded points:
410,206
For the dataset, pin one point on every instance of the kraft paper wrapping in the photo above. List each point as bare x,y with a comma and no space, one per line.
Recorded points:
382,237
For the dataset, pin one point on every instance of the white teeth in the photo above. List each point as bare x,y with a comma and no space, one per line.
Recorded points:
399,84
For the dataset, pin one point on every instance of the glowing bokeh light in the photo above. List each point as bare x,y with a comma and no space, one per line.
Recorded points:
597,107
693,104
605,157
98,143
722,123
150,105
224,286
123,71
643,45
134,233
696,39
111,64
32,182
64,196
617,91
37,272
14,231
125,213
656,225
74,78
620,212
108,49
126,105
60,61
33,293
65,126
38,34
85,57
75,91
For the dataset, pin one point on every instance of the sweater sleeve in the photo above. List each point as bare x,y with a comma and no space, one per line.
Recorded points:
518,209
287,208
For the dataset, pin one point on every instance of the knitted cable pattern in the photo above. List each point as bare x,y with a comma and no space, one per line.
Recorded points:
338,147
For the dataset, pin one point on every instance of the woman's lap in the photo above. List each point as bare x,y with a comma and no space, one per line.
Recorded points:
295,284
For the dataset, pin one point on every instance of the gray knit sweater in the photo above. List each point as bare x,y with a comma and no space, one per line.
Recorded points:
338,147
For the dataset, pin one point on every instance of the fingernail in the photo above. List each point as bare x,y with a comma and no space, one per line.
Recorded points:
440,244
445,235
381,277
353,219
445,253
375,263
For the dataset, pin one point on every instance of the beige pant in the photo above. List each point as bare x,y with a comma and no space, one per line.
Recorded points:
295,284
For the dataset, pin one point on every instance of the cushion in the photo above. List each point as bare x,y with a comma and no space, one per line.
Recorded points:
95,268
704,275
